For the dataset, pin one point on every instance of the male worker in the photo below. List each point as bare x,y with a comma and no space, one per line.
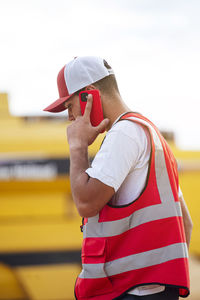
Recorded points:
136,228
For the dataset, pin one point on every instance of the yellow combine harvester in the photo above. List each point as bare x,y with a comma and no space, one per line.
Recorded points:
40,236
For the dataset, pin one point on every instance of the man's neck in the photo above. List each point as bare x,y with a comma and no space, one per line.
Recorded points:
113,108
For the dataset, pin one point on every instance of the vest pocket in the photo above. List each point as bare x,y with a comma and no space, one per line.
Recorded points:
93,279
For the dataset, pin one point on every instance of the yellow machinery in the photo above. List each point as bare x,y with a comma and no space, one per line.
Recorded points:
40,236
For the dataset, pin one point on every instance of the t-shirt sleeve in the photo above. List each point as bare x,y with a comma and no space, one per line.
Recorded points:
118,154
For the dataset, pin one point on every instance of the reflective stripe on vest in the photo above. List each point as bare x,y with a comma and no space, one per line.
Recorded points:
144,215
135,261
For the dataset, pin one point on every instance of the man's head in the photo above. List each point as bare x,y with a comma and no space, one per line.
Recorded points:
83,73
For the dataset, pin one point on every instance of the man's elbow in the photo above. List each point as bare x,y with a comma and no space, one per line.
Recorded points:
85,210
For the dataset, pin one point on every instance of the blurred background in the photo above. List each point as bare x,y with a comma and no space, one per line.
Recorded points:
153,47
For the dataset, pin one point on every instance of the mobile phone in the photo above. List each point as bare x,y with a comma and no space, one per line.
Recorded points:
96,115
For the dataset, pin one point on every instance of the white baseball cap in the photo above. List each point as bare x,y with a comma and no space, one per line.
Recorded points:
75,75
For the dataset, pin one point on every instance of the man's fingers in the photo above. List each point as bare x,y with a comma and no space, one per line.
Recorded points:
102,126
88,106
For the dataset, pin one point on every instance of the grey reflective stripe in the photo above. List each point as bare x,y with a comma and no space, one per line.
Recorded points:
162,177
89,269
135,261
93,219
144,215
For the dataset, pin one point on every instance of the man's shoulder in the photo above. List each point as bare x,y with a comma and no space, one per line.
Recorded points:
128,128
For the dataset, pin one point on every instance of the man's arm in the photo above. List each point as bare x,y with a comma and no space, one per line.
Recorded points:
187,221
89,194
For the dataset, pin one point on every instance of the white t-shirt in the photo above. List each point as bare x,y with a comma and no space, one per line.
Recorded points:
122,163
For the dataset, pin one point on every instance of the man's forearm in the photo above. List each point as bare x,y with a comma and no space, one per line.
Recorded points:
79,162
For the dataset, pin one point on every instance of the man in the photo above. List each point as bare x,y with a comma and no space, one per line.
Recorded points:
136,223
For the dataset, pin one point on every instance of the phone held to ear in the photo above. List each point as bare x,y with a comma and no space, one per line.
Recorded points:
96,115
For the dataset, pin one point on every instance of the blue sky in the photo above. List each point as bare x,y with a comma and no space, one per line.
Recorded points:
152,45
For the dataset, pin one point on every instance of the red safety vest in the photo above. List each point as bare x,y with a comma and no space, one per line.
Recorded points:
140,243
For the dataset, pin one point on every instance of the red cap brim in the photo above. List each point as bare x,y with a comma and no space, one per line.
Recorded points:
58,105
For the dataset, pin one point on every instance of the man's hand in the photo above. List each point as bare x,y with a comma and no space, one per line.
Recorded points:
81,133
89,194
